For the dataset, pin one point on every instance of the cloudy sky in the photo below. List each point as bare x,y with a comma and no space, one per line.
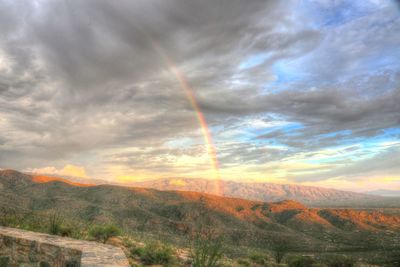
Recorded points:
292,91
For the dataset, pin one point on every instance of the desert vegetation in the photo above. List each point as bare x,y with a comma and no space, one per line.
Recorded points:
155,253
182,228
205,249
102,233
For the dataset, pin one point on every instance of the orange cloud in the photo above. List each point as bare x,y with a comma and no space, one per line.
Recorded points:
67,170
177,182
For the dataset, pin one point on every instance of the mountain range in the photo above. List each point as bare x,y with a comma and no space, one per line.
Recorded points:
260,191
309,195
175,214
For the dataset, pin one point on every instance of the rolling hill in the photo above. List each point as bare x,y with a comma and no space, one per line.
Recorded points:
309,195
269,192
176,214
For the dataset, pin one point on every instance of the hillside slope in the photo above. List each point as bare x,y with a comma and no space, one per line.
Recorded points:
309,195
175,214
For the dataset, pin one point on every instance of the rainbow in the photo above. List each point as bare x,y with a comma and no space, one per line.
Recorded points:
183,82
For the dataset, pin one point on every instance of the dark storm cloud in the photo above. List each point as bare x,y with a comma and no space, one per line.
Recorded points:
85,76
96,42
321,111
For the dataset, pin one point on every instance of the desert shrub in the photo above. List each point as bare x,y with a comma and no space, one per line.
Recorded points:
58,226
4,261
155,253
33,223
55,224
259,259
206,243
127,241
27,221
393,260
301,261
9,217
103,232
244,262
239,208
207,249
44,264
66,230
338,261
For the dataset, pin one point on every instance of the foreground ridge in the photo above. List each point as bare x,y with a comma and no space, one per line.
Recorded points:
20,246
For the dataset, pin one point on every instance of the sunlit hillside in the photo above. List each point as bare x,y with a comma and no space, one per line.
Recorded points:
174,216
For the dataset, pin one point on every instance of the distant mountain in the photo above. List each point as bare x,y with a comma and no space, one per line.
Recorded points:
385,193
269,192
73,179
309,195
174,214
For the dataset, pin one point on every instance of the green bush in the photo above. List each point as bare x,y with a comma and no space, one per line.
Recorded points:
103,232
155,253
301,261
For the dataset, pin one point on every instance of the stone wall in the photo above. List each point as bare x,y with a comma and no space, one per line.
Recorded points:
29,249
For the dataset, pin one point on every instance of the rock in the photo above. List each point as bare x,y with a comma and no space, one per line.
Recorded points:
28,249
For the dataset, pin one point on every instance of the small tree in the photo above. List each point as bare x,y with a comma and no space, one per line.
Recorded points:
207,250
104,232
279,249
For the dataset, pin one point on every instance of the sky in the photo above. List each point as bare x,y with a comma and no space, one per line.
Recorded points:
303,92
